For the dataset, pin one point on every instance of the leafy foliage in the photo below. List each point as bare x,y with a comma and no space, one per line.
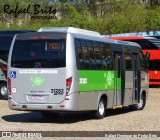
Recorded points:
104,16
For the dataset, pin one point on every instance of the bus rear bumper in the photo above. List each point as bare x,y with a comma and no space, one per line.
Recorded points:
63,106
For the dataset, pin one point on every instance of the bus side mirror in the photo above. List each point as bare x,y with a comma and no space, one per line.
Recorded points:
147,56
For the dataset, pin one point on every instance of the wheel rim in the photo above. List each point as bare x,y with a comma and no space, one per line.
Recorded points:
3,90
141,103
101,108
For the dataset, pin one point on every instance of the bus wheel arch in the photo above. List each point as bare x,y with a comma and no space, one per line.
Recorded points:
101,107
143,98
3,90
141,104
104,97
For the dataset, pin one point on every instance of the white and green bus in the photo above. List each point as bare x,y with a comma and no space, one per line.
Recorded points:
70,69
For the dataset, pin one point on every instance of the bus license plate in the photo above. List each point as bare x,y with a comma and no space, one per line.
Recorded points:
37,97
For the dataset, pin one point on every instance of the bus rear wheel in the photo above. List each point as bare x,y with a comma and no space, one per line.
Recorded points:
100,113
3,91
140,105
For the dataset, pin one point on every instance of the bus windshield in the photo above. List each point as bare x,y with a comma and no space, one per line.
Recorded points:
39,54
146,44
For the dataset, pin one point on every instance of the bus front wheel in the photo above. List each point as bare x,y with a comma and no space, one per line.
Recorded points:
100,113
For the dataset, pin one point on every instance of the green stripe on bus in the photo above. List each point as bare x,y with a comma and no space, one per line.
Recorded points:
97,80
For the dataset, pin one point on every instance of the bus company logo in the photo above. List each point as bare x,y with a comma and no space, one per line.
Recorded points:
37,81
109,78
83,80
36,11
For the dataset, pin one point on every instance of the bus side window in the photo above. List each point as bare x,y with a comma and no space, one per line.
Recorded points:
104,62
80,54
91,55
97,55
85,54
128,59
107,61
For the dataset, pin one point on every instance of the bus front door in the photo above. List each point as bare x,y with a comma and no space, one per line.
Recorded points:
119,75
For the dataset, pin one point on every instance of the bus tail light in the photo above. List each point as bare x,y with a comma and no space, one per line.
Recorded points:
4,68
9,86
68,85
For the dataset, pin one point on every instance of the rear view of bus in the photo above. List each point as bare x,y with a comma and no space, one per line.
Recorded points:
37,78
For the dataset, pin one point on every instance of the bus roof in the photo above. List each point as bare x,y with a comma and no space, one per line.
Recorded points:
151,39
69,30
130,37
147,33
84,32
126,37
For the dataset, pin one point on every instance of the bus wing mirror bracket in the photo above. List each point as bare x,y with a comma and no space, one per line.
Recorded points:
147,56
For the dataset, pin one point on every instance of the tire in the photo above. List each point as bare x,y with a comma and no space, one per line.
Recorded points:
3,91
100,113
49,114
141,104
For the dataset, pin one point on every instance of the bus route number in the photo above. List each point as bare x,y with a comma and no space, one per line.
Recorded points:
54,46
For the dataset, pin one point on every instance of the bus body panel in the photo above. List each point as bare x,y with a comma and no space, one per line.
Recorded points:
27,85
71,68
154,54
154,77
88,100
